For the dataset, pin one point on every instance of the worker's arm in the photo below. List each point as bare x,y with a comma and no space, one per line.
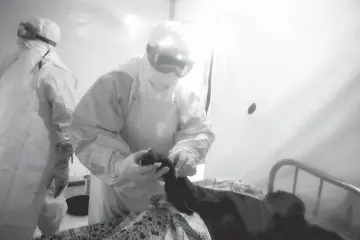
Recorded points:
57,84
60,95
194,136
97,123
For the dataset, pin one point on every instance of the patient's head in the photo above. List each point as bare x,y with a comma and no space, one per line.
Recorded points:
289,222
286,204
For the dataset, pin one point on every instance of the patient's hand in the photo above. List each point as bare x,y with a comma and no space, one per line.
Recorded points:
152,157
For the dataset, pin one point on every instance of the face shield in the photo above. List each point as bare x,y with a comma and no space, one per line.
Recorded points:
29,32
168,51
167,60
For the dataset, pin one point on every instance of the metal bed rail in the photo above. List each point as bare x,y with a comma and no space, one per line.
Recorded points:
317,173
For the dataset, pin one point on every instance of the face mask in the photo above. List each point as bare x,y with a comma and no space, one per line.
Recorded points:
160,81
163,81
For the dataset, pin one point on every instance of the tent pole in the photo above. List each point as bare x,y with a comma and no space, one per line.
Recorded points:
172,9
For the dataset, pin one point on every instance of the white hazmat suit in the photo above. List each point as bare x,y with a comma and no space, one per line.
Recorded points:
128,110
36,102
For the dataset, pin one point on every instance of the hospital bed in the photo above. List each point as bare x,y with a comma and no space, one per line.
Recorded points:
322,177
95,232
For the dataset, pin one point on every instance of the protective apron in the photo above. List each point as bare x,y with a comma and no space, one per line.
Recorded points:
27,147
24,151
149,123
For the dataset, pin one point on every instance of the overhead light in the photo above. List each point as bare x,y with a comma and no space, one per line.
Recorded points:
132,22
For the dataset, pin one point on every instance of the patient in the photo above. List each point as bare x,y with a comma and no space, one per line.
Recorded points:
216,210
288,220
222,210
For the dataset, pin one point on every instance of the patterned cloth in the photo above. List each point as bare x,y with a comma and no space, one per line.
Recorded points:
231,186
159,222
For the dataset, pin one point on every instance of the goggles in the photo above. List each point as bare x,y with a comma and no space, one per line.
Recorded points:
29,32
169,61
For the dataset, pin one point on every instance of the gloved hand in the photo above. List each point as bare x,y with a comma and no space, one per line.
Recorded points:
61,169
185,163
131,170
61,177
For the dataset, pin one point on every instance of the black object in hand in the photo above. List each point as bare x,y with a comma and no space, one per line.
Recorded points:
177,189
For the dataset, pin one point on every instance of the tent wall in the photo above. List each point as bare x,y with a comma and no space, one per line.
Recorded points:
299,61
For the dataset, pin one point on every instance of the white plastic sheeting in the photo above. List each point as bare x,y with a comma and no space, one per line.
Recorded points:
299,61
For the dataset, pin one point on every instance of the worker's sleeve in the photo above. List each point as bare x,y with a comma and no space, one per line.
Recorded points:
194,135
97,123
59,92
60,96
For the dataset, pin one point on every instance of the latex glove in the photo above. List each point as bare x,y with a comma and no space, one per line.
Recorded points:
141,174
185,163
61,177
61,169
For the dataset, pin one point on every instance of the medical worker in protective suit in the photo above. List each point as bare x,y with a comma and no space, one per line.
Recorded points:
129,110
36,102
